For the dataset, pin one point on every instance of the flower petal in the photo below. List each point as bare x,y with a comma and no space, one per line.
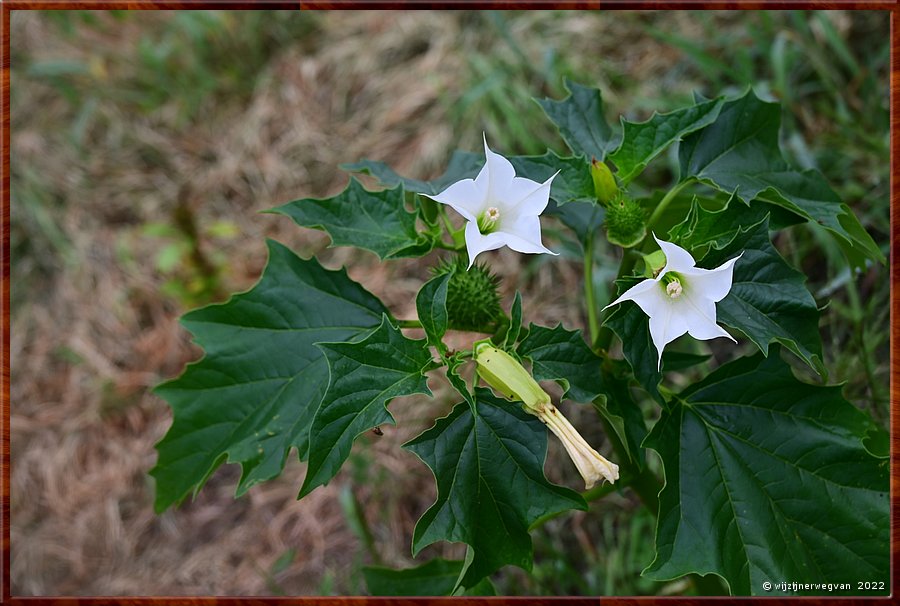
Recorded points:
523,235
677,258
712,284
499,174
665,326
641,290
465,197
477,243
700,316
527,197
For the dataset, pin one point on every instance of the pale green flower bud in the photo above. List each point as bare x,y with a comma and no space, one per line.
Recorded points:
504,373
605,187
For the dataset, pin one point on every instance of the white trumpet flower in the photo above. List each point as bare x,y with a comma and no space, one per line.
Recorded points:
682,298
500,208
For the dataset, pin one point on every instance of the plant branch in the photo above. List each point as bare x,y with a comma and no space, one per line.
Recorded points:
593,326
445,246
663,204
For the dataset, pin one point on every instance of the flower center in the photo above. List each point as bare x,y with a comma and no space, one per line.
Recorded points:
674,289
487,221
673,285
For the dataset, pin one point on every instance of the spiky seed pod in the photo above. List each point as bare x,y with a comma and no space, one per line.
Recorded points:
625,222
473,302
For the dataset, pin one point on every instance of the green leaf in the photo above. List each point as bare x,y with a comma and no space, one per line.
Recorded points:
254,394
572,184
679,360
376,221
561,355
739,153
632,326
768,300
488,465
457,382
431,306
624,415
767,480
704,229
364,377
579,118
643,141
515,322
462,165
583,218
434,578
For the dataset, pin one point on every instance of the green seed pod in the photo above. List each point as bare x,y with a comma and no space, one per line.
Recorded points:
605,187
473,302
625,222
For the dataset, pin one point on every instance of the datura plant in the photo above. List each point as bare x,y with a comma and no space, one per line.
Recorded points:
765,479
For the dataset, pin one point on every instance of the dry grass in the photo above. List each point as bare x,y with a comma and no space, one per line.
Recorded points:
91,331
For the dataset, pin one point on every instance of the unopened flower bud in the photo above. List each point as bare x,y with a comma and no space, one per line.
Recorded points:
605,187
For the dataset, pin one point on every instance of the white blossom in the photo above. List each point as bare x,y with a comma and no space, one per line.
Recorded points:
500,208
681,298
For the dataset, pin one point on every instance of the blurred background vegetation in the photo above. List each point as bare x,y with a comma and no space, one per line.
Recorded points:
143,143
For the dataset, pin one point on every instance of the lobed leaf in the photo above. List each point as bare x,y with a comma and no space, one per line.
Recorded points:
488,465
364,377
462,165
562,355
572,184
436,577
739,153
579,118
253,396
643,141
583,218
768,300
767,480
376,221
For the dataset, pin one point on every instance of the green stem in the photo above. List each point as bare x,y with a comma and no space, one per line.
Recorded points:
664,203
409,324
445,246
450,229
593,326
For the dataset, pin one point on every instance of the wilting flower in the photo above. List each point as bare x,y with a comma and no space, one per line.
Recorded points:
500,208
502,372
681,298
